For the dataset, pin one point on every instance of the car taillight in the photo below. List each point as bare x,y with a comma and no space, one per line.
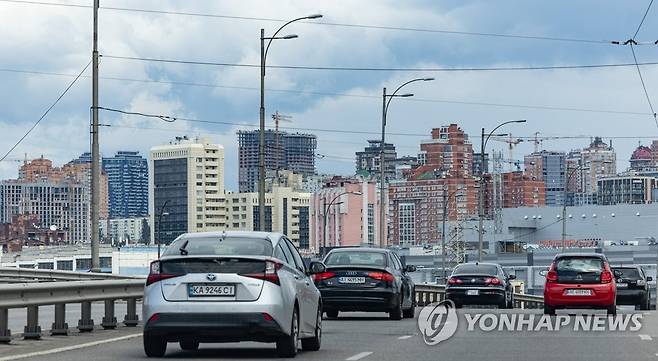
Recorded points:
381,276
492,281
270,274
454,281
551,276
156,276
606,277
323,276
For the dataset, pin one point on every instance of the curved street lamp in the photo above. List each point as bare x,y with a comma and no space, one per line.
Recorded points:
261,139
326,211
484,141
160,215
386,101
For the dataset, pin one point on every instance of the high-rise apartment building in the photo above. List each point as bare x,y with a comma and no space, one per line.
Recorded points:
283,151
550,168
448,152
187,188
598,160
368,161
286,211
127,174
478,167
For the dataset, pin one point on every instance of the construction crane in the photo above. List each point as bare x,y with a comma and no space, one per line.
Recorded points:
278,117
511,142
538,142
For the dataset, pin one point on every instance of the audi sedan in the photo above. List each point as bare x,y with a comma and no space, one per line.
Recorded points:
231,287
366,279
480,284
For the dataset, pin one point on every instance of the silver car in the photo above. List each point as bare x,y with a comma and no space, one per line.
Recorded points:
231,287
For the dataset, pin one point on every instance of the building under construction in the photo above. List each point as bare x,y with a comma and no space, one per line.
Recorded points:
283,151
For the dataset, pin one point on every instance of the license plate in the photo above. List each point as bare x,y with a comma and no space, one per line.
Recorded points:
210,290
577,292
352,279
472,292
622,285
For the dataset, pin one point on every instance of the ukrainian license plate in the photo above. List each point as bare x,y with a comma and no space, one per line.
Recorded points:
354,280
196,290
622,285
472,292
577,292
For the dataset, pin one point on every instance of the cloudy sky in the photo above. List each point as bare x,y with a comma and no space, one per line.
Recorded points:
42,47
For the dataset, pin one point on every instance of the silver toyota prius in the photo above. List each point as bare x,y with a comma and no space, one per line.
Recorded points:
231,287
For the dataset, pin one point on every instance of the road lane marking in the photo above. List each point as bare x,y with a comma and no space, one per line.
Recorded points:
358,356
645,337
405,337
69,348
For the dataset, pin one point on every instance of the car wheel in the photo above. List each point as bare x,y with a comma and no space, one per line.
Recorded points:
511,301
612,310
332,313
410,312
313,343
548,310
189,345
503,303
287,345
396,312
154,346
645,305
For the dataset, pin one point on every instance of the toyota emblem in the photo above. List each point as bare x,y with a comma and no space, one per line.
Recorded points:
211,276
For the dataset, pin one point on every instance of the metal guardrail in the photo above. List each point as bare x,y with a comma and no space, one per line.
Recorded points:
33,295
426,294
29,274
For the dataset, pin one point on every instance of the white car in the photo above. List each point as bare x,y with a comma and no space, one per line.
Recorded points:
231,287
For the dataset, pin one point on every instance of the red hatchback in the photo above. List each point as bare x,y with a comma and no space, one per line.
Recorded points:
579,280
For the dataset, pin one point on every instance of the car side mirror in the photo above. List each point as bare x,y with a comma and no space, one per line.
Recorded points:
543,272
511,277
617,273
316,267
409,268
649,279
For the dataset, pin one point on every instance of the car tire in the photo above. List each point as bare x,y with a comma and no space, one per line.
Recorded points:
314,343
154,346
396,312
189,345
332,313
645,304
410,312
612,310
503,304
286,346
511,302
548,310
458,305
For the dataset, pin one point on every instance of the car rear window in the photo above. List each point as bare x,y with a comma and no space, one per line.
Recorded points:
356,258
630,273
216,246
579,265
476,269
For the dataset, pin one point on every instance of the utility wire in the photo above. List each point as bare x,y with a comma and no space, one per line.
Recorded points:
46,112
333,24
344,68
364,96
633,42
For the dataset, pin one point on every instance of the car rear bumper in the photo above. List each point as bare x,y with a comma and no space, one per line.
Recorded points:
375,300
213,327
630,297
603,295
486,296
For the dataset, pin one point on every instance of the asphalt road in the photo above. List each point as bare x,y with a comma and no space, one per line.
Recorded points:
361,336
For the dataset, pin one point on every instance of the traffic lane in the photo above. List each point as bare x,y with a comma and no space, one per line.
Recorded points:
18,316
353,336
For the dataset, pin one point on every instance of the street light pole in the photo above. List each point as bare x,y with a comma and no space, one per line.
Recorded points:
160,225
483,146
261,135
326,211
386,101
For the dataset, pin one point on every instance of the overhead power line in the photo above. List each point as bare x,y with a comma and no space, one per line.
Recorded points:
387,69
321,93
324,23
46,112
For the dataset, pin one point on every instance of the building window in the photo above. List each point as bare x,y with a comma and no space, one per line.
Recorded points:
407,222
371,223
